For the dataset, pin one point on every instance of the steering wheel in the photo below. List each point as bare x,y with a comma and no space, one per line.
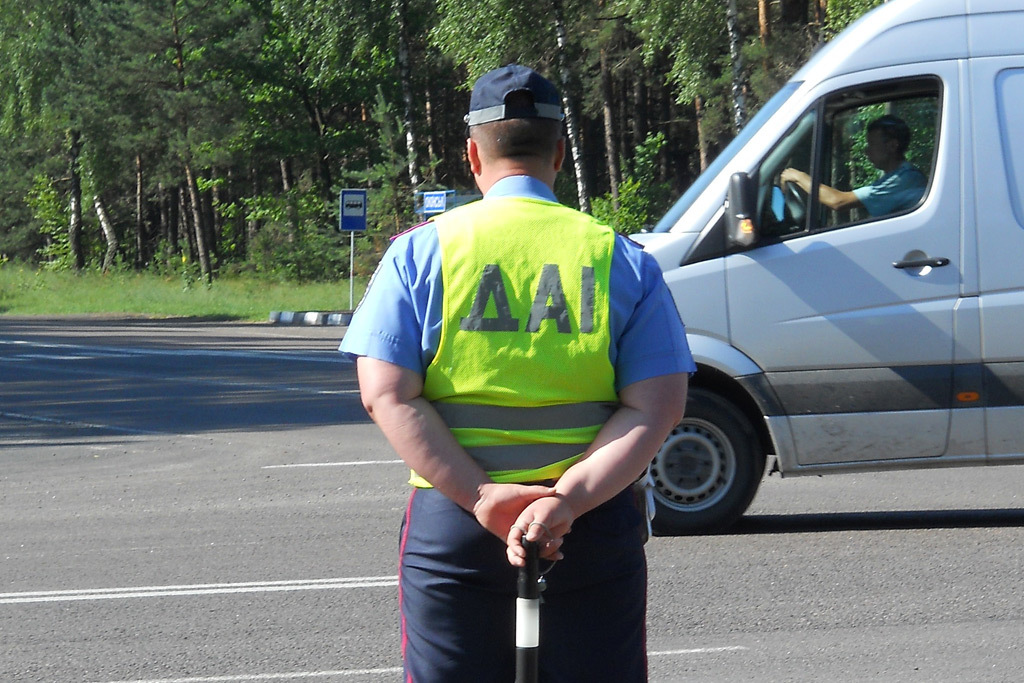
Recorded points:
796,202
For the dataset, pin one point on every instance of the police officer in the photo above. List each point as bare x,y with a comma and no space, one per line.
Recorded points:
526,362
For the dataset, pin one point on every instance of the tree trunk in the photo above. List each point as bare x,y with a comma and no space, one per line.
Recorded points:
75,222
640,114
432,153
186,233
168,233
202,247
739,105
212,220
572,119
109,234
664,122
702,141
764,22
140,222
287,182
405,78
820,12
610,151
252,225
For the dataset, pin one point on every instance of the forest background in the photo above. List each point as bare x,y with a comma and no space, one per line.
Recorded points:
201,139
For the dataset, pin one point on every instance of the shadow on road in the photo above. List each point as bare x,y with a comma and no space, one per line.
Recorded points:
878,521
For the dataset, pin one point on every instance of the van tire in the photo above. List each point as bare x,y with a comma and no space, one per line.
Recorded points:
708,470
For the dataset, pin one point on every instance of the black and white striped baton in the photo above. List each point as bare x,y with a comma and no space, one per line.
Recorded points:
528,616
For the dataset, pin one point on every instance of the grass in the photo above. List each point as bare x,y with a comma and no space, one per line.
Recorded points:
24,291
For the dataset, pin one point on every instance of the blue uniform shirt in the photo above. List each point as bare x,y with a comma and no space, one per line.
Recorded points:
894,191
399,318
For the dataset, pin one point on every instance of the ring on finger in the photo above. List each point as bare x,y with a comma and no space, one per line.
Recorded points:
544,527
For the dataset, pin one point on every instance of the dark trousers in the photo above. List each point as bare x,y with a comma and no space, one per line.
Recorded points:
457,593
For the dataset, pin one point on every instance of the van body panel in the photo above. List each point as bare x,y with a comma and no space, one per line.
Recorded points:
866,437
668,249
718,354
970,267
999,176
999,183
994,28
699,293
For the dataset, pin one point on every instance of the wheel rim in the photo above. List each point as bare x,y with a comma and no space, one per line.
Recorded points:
695,467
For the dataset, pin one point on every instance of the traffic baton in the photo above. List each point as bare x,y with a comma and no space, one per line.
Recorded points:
528,616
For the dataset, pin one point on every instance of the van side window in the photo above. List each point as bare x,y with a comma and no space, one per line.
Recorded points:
859,155
1010,94
783,207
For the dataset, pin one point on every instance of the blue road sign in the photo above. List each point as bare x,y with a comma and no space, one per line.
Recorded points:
435,202
353,211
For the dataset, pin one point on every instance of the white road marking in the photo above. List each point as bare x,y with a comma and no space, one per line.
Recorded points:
334,464
87,351
82,425
198,589
296,675
697,651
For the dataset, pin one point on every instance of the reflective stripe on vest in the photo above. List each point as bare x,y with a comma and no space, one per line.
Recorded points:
565,416
521,373
484,432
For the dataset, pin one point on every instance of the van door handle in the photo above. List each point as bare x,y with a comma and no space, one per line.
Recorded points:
922,263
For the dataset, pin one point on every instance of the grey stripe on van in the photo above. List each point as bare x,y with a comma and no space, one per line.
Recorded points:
1003,384
863,390
567,416
901,388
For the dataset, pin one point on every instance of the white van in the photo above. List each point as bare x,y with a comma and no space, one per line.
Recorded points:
834,339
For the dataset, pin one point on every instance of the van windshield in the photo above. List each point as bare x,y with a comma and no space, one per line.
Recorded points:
749,131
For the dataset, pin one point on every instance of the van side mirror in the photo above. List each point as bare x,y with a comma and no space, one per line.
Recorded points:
741,210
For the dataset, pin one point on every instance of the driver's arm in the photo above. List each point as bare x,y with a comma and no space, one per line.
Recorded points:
837,200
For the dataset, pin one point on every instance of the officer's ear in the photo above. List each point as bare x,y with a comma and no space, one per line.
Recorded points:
559,154
473,154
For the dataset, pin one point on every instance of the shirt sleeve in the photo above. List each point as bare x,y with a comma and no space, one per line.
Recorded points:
651,338
398,318
893,192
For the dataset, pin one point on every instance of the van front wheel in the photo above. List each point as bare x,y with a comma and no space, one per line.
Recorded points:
708,470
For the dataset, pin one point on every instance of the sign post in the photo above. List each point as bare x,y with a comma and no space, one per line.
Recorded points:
352,212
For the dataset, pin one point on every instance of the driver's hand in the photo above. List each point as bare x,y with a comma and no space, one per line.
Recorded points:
791,175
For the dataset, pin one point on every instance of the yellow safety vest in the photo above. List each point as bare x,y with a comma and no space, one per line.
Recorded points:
522,374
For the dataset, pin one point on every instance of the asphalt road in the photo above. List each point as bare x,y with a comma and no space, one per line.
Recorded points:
195,502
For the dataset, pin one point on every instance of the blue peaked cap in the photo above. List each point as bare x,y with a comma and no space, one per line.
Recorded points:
487,103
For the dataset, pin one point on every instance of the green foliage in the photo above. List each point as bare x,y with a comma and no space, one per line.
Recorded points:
693,35
271,106
842,13
642,198
390,198
632,214
296,241
485,34
52,216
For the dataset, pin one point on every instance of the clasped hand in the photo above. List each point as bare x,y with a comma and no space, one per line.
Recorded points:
517,512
